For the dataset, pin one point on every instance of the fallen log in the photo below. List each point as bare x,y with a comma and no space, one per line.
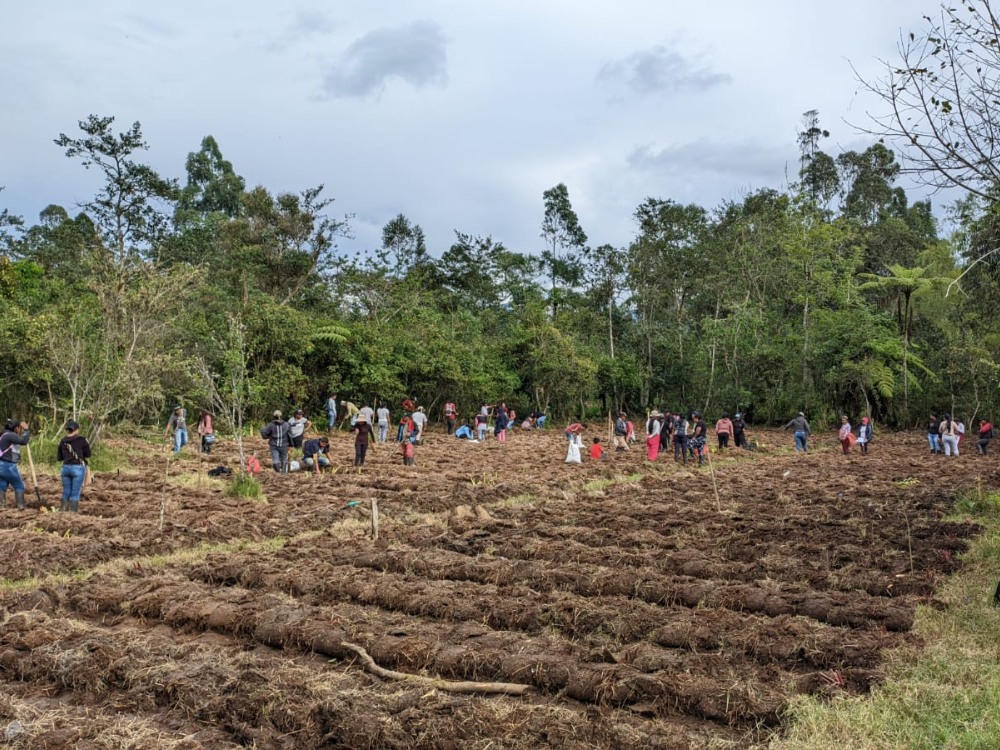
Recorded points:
449,686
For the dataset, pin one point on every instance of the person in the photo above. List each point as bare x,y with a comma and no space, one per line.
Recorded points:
511,418
653,427
450,415
408,451
699,436
206,428
573,450
331,412
666,427
949,435
680,428
723,431
573,429
482,424
297,427
419,420
253,464
465,432
73,451
739,431
934,433
15,434
529,423
406,428
382,415
865,432
800,426
539,419
961,431
846,434
629,433
276,432
178,423
621,432
369,414
351,412
362,439
500,427
409,405
316,453
985,436
596,450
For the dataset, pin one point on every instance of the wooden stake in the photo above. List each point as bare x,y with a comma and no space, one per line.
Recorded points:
715,484
375,519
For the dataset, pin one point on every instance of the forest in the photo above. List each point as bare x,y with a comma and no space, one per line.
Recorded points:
837,294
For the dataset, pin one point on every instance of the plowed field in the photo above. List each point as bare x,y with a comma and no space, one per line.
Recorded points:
635,605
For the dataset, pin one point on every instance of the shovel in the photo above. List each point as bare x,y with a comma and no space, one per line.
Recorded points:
34,478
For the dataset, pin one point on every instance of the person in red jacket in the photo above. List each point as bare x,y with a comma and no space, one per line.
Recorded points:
985,436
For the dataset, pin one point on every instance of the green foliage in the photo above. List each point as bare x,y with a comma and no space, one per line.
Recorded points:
246,486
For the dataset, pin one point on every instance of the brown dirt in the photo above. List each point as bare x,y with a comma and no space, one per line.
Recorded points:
642,611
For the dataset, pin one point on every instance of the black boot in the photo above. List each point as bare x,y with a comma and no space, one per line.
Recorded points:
64,506
19,498
74,506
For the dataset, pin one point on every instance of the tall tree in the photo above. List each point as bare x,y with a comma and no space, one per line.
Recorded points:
565,243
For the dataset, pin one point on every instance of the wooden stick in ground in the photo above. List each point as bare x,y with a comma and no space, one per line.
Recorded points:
715,484
34,477
163,492
505,688
375,519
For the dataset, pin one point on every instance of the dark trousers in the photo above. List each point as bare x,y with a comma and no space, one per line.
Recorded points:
360,449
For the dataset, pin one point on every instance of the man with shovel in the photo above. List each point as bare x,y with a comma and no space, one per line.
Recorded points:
15,434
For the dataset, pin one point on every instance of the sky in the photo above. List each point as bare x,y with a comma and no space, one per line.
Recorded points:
456,113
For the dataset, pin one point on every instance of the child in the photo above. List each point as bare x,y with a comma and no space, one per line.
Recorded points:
253,465
408,451
596,450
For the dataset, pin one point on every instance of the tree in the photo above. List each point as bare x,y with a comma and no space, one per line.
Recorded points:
941,99
7,221
212,185
817,170
903,283
565,243
127,209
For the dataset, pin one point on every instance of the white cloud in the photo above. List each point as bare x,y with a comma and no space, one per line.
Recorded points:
660,70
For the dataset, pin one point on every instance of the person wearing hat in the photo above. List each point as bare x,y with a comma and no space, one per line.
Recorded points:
739,431
621,432
276,432
316,453
864,435
351,412
178,423
15,434
73,451
800,427
362,439
653,427
297,427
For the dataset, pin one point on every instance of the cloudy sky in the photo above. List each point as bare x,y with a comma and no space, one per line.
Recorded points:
456,113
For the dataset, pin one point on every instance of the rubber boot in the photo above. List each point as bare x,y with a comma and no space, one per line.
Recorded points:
74,506
19,498
64,506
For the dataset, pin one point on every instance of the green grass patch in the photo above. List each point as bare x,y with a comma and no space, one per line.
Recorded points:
943,695
246,486
595,485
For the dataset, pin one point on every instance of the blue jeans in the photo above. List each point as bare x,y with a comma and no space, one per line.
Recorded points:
481,431
800,440
950,445
180,439
72,480
383,431
10,476
934,439
541,421
331,418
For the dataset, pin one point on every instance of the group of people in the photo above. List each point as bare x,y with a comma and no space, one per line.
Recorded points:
73,452
944,435
687,434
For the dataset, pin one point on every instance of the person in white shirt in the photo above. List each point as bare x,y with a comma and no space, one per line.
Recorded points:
297,427
419,421
383,422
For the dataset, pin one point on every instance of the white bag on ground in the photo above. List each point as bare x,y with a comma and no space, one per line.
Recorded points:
573,454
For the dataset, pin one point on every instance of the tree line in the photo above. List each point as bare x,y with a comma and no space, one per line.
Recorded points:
833,295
